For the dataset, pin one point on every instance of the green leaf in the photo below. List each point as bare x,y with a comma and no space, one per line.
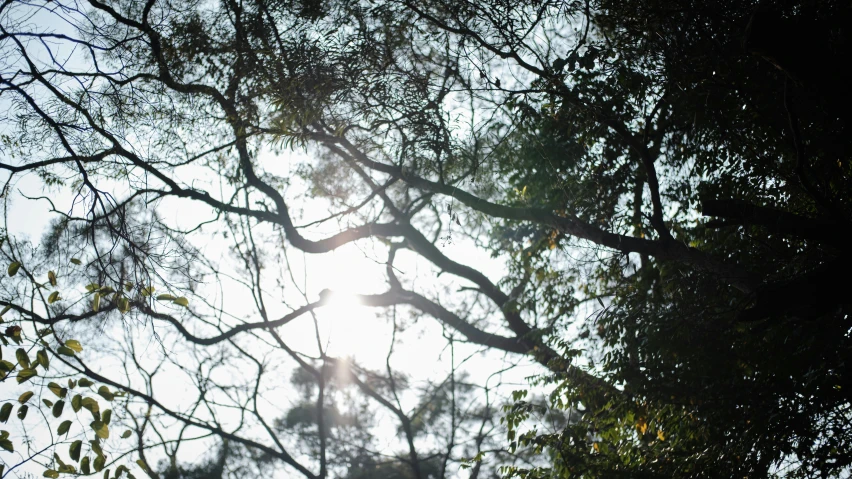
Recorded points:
67,469
57,408
51,277
182,302
6,366
166,297
99,462
96,446
22,357
54,297
126,434
84,383
51,473
91,287
105,393
84,466
72,384
74,450
101,429
25,397
25,374
96,302
13,268
5,310
47,402
65,351
76,261
75,345
93,407
145,292
77,402
5,411
22,411
64,427
7,445
106,416
123,304
43,359
57,389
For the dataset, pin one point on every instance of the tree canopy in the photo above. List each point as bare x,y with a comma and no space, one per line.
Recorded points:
641,206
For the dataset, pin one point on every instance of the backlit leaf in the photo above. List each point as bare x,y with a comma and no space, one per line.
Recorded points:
101,429
64,427
43,359
74,450
5,412
99,463
57,408
105,393
7,445
65,351
57,389
25,374
22,358
54,297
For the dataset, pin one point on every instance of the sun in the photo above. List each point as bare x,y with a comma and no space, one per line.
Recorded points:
347,327
351,329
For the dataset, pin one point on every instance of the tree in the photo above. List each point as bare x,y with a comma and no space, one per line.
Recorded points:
581,144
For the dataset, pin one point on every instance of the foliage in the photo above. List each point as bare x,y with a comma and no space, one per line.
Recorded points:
44,362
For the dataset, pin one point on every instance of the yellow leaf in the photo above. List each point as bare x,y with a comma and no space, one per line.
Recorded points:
54,297
75,345
597,448
641,425
660,435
